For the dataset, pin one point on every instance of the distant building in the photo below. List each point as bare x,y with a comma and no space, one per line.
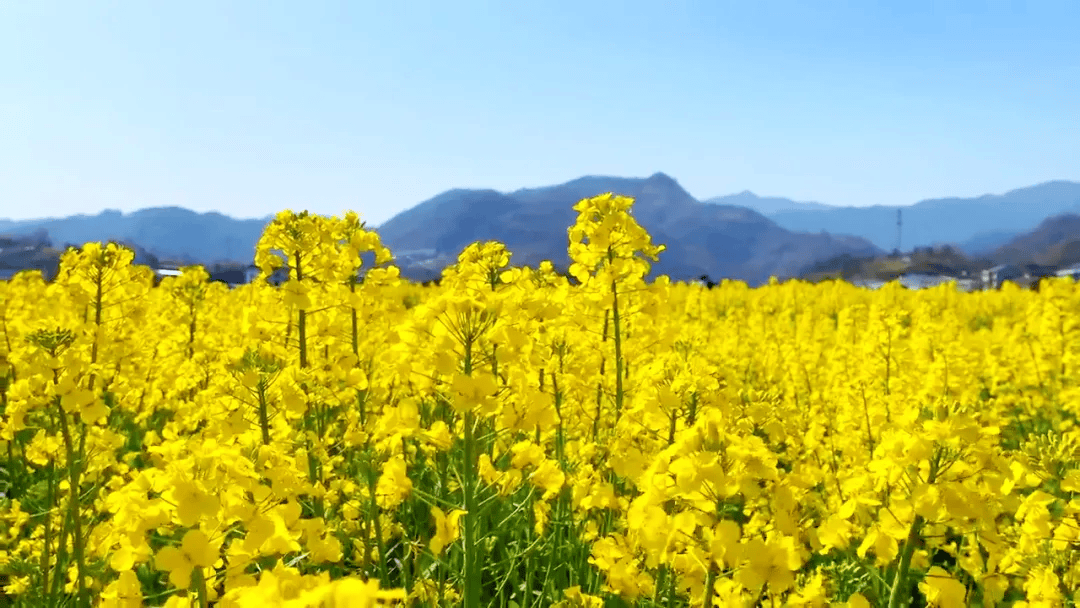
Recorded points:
230,276
868,283
992,278
967,284
1072,271
923,281
161,273
1027,275
920,281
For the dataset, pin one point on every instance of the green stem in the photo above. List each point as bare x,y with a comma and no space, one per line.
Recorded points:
355,323
869,431
301,323
61,558
76,515
384,574
710,582
618,351
905,562
49,504
526,595
600,386
192,326
661,581
899,581
472,570
198,581
560,438
98,306
553,561
671,591
264,416
472,574
672,427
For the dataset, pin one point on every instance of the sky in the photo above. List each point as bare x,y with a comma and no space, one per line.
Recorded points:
248,108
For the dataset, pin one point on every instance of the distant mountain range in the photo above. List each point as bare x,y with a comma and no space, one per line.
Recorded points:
701,238
1054,242
166,232
739,235
977,225
1053,245
766,205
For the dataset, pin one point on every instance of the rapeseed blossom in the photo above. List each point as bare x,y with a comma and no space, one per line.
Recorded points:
515,436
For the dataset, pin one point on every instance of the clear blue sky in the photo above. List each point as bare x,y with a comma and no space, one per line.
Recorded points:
251,107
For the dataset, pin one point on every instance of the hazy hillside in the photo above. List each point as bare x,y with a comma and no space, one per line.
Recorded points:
166,232
946,220
1054,242
740,235
984,243
765,205
712,239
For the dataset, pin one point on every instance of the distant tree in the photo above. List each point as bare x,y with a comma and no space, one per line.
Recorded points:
231,276
39,238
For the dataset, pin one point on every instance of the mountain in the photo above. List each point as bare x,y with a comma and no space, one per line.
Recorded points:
740,235
944,220
717,240
1054,242
28,252
984,243
166,232
765,205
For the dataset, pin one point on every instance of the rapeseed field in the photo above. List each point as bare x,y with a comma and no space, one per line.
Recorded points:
511,438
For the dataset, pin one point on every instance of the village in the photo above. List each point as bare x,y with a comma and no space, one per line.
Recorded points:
1026,276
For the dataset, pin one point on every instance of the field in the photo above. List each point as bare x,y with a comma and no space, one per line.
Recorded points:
509,439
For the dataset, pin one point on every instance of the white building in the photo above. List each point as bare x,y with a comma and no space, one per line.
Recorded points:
1072,271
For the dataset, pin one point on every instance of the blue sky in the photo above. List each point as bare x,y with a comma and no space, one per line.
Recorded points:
251,107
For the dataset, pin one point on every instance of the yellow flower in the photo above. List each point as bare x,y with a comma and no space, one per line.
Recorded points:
124,592
576,599
191,501
772,562
941,589
475,392
394,484
17,585
723,542
1043,586
195,551
447,529
353,593
295,294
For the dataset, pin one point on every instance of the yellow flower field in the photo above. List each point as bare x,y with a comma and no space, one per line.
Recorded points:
508,438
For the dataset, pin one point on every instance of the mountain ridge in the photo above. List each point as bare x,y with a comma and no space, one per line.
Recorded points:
1054,242
951,220
533,221
701,238
167,232
765,205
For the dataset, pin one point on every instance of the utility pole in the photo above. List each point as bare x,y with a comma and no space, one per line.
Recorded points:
899,228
